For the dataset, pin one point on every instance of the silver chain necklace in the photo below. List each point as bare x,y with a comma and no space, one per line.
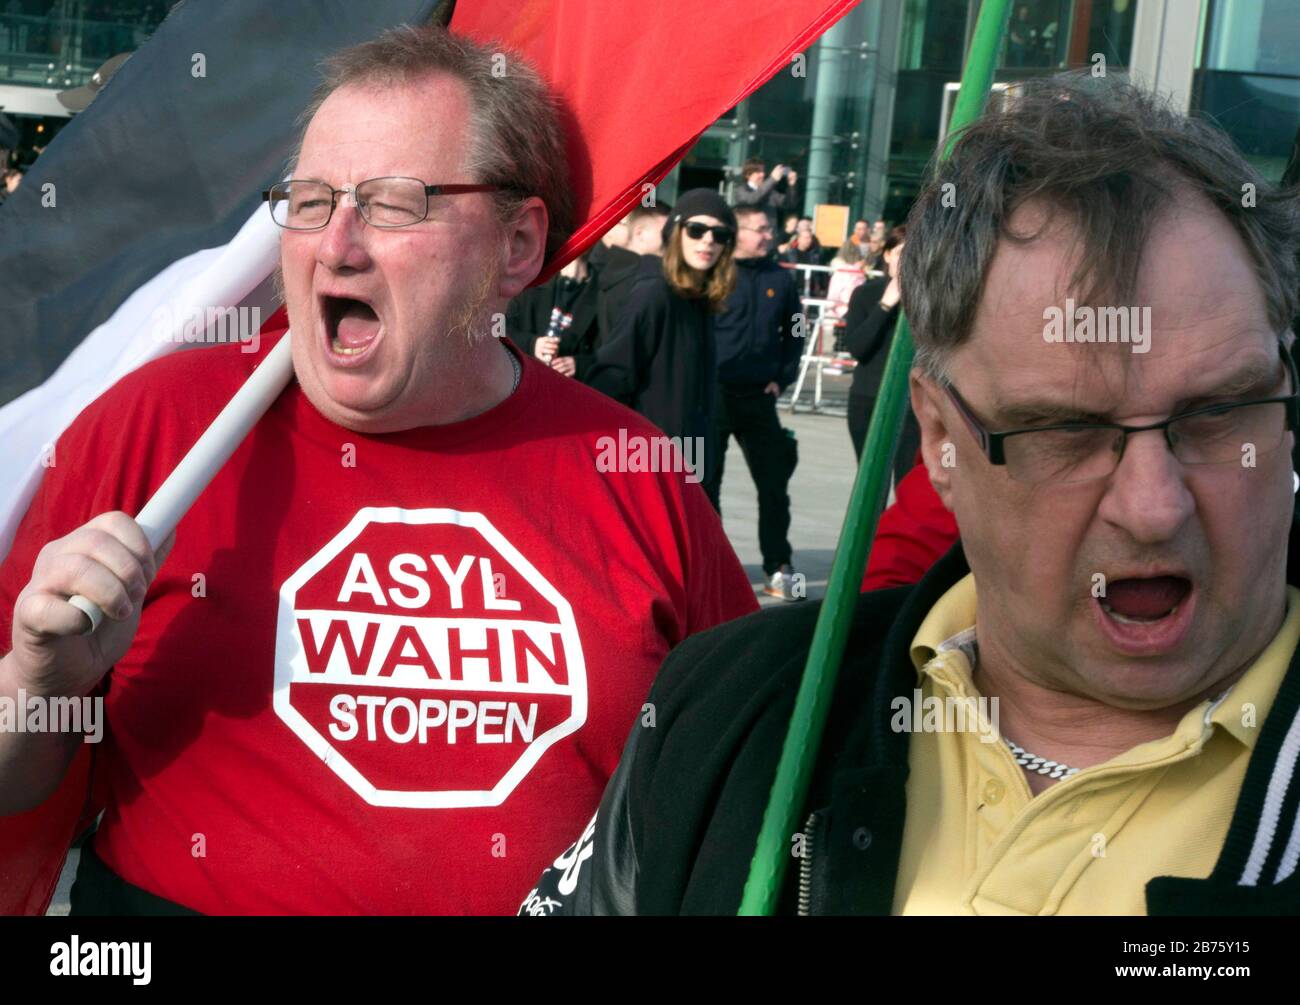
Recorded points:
514,363
1052,769
1041,765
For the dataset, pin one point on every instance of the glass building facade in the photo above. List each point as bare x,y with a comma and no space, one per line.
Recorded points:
858,114
47,46
816,117
862,123
59,43
1248,77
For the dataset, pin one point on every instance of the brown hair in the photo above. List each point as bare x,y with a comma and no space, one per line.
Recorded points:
850,253
715,286
515,139
1109,156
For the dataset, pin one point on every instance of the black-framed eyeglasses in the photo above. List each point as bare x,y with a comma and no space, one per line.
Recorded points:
696,231
300,204
1071,452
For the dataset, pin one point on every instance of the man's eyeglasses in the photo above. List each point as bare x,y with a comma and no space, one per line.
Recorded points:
383,202
765,229
1072,452
696,231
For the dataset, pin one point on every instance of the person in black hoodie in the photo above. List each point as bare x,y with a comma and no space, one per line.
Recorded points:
660,357
556,322
640,233
868,333
759,346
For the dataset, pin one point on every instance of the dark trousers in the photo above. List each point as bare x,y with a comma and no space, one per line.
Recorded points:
750,416
909,441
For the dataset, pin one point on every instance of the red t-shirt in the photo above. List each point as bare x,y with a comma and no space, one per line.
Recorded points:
912,535
377,674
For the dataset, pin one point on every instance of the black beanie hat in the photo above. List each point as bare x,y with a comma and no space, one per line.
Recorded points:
699,202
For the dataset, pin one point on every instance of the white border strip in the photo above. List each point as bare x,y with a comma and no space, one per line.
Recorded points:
224,276
1278,784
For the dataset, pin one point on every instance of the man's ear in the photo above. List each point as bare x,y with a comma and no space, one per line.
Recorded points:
938,446
524,250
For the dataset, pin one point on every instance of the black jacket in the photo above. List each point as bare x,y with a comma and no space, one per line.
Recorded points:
818,282
528,318
676,828
756,336
771,197
616,270
660,358
868,331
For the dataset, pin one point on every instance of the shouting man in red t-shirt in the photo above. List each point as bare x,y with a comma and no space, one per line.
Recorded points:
388,660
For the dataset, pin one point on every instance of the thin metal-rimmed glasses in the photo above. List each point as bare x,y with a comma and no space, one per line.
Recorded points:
390,202
1071,452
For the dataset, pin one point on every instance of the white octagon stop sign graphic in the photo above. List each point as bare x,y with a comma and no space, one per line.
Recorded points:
425,660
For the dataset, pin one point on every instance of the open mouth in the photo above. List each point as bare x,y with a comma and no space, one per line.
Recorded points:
1144,601
1146,616
351,325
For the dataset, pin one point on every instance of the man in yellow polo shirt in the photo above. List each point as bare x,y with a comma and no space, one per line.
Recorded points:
1108,406
986,836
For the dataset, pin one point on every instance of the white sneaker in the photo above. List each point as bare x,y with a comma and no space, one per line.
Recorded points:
782,585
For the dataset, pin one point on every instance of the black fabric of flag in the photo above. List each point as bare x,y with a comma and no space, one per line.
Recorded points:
170,158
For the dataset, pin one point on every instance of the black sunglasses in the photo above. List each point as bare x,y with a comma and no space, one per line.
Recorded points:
696,230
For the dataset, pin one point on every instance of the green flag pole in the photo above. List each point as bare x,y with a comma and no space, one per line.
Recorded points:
870,489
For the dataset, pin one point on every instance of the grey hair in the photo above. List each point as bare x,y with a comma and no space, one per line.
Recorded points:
515,140
1113,158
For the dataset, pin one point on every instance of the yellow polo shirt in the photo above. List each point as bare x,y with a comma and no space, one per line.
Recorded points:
977,842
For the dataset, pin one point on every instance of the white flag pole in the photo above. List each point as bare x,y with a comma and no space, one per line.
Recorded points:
197,468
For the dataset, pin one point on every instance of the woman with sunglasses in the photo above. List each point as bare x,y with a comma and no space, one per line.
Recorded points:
660,357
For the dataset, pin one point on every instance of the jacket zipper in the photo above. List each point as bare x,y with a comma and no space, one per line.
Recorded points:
805,867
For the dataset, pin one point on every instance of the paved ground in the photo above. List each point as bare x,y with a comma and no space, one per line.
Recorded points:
819,493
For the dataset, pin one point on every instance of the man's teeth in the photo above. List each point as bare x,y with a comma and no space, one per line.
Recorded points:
343,350
1124,619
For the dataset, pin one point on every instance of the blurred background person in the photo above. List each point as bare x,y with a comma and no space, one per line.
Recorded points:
556,322
805,249
660,359
758,357
10,137
640,233
771,194
868,332
873,252
849,273
615,237
802,225
12,178
786,235
859,239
